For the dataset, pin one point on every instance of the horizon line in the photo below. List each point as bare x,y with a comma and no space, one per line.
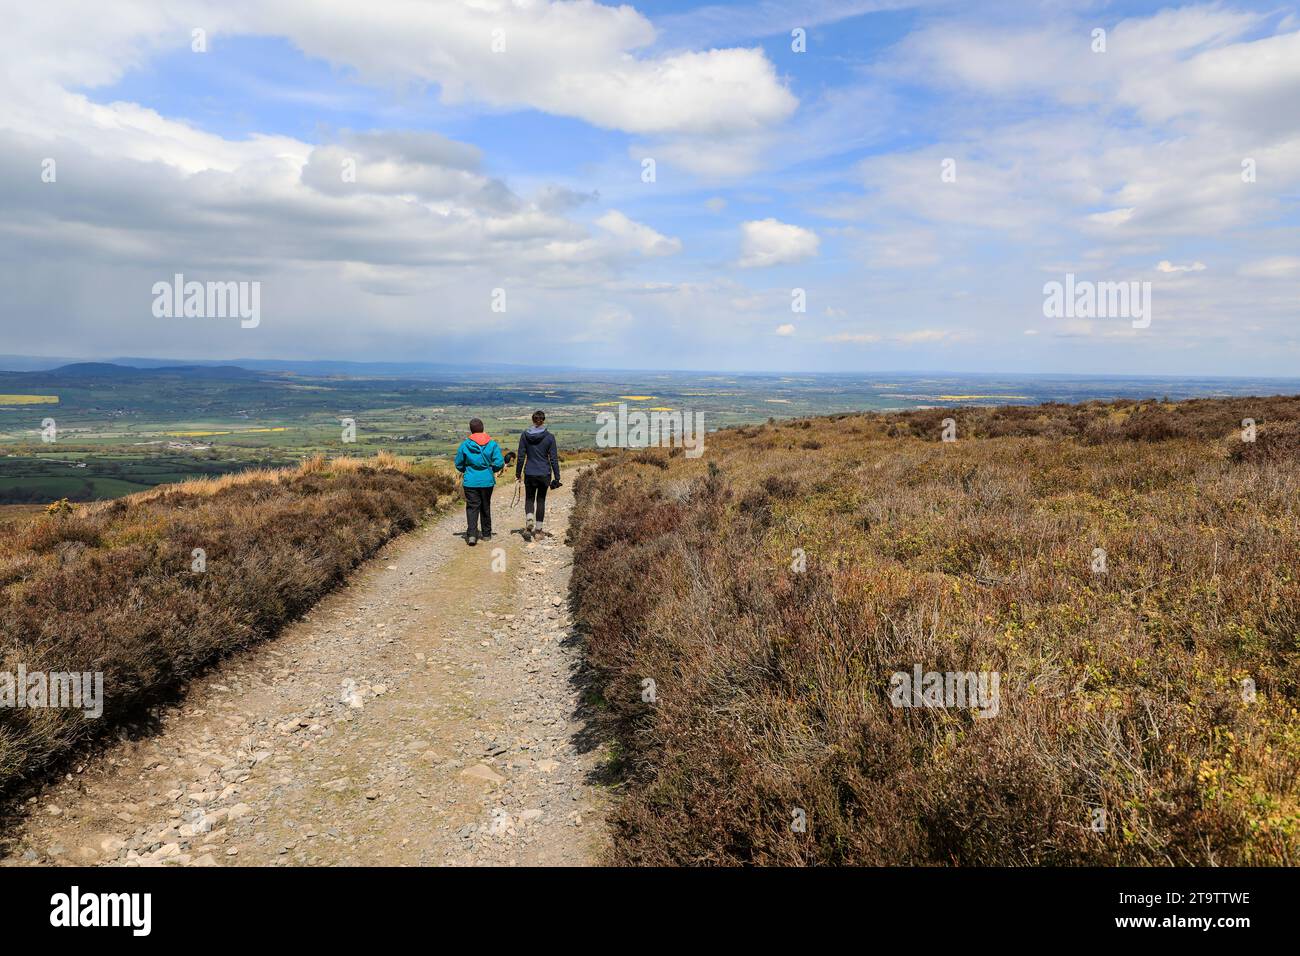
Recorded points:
124,362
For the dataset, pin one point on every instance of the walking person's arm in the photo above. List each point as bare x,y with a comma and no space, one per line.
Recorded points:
460,458
553,453
520,456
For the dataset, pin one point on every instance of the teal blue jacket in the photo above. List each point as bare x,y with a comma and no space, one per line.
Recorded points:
478,461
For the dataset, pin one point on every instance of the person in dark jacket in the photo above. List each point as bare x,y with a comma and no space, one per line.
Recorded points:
479,459
539,465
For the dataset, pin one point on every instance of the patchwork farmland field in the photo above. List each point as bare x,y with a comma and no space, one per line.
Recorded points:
121,429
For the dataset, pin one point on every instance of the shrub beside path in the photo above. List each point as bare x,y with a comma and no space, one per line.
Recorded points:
426,713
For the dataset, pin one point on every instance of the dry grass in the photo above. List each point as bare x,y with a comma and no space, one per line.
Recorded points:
110,587
1119,691
315,465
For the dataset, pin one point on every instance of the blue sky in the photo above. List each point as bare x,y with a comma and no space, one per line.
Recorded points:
521,169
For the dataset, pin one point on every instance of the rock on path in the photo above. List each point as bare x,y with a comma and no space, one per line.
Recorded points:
424,714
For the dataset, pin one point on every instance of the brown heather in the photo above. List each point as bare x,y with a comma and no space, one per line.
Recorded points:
109,587
1119,691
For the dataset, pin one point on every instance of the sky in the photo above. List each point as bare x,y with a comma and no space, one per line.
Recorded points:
829,185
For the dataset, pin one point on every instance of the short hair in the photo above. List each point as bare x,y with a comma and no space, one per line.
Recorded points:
539,416
475,425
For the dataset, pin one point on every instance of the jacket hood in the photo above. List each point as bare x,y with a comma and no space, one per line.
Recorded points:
480,438
536,433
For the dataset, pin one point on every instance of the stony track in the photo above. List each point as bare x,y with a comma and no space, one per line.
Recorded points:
427,713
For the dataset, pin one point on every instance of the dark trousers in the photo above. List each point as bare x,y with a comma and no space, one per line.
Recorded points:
478,506
535,490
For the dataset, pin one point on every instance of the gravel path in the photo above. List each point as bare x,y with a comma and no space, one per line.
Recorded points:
426,713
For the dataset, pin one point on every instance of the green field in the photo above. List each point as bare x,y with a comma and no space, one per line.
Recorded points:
79,475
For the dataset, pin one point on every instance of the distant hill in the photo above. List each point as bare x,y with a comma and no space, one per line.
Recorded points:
404,370
322,368
112,370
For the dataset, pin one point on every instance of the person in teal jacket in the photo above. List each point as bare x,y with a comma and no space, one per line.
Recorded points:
479,459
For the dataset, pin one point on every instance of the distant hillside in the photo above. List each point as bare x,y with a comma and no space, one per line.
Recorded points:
110,370
415,370
412,370
88,370
1067,636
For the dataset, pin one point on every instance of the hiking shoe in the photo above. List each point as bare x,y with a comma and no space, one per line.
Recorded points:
471,539
486,536
530,524
527,535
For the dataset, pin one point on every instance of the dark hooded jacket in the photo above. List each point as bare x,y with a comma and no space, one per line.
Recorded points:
539,457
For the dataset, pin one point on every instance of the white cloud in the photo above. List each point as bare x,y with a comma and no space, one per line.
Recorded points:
1274,267
576,59
390,212
1237,84
1149,62
1164,265
785,329
423,166
717,158
638,237
768,242
1112,217
579,59
1203,90
926,335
